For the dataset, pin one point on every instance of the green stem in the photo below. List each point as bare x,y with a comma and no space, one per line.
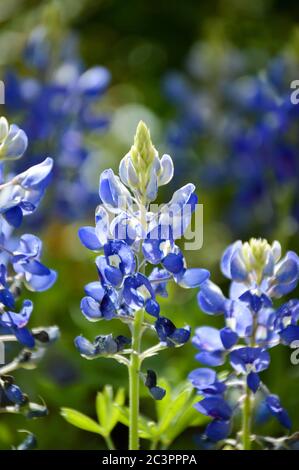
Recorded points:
109,442
134,369
246,428
154,444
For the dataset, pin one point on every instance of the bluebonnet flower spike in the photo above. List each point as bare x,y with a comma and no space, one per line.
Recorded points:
136,257
21,266
253,325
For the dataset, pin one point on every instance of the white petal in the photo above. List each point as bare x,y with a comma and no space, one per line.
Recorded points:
3,128
167,170
152,187
276,250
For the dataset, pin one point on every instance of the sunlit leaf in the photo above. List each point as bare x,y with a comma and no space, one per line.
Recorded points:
188,418
147,428
162,405
175,407
81,421
108,414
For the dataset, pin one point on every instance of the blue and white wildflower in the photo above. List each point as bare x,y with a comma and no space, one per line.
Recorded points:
21,267
253,325
136,258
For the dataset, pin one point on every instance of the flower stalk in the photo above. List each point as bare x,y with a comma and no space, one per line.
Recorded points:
246,418
134,388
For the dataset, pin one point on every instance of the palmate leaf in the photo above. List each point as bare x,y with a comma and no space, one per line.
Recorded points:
177,413
147,428
107,410
162,405
81,421
108,414
177,405
174,415
188,418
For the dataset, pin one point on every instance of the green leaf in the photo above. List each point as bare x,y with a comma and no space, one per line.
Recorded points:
108,414
147,429
162,405
81,421
188,418
174,409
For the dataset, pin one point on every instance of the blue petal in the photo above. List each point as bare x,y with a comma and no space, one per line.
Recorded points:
228,337
237,268
288,269
256,302
94,81
210,298
113,275
36,267
253,381
193,277
226,258
280,290
120,247
152,307
102,225
213,359
41,283
180,198
112,192
168,333
290,334
91,309
89,238
215,407
29,246
24,336
239,318
95,290
152,186
14,216
208,339
202,377
275,408
16,143
85,347
19,320
107,307
181,335
174,262
36,176
7,298
152,252
14,394
218,430
157,392
240,357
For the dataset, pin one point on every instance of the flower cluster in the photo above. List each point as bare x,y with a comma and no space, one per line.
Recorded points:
20,266
55,101
139,255
243,126
253,325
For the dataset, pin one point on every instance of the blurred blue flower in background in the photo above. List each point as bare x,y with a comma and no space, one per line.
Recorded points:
237,125
56,101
